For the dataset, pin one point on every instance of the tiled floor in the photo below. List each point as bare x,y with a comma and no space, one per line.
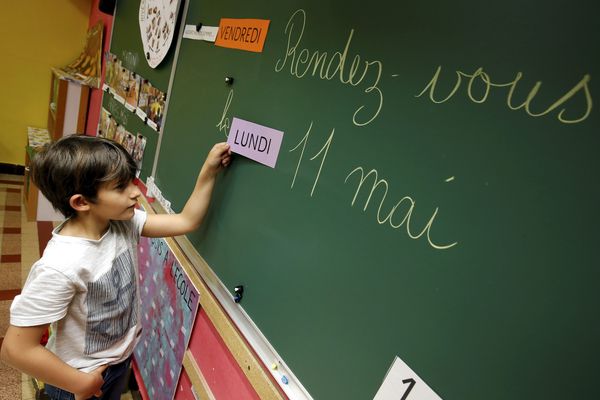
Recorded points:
16,239
20,243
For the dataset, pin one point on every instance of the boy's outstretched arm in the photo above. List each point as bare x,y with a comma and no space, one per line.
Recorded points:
190,218
22,350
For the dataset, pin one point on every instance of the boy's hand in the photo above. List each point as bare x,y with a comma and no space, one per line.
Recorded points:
218,157
94,382
195,209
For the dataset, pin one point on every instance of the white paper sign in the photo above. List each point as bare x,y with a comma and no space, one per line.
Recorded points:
401,383
119,98
141,114
152,124
206,33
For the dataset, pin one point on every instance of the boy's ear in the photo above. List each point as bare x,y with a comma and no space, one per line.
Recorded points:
79,203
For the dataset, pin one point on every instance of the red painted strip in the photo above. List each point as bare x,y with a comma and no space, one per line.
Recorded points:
223,374
139,380
12,208
12,230
10,258
11,182
9,294
143,189
44,234
184,388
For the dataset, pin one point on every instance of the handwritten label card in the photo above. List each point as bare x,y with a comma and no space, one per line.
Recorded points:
401,383
206,33
257,142
243,34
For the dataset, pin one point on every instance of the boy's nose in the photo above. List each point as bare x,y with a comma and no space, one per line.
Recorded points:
134,191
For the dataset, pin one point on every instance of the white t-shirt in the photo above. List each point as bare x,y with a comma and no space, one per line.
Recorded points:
88,290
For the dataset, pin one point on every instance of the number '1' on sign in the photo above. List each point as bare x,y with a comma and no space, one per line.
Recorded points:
401,383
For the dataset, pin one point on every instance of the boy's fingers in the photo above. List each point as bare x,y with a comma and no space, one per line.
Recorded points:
100,370
223,151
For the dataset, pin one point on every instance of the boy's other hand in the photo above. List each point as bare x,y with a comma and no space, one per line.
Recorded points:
218,157
94,382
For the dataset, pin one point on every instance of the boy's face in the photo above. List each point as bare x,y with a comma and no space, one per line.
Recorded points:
114,202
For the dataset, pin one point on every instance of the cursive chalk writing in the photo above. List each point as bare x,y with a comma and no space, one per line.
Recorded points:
324,150
223,124
407,200
301,61
479,76
129,60
118,111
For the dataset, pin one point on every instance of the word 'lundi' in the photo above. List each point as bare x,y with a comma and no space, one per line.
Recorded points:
252,141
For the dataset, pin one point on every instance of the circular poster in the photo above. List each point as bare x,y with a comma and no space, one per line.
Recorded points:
157,25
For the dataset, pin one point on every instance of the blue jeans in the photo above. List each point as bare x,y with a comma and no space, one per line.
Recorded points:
115,379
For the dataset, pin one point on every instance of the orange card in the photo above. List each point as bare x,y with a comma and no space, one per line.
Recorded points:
243,34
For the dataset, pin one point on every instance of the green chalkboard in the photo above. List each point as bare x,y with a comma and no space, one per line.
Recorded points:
469,251
126,44
134,125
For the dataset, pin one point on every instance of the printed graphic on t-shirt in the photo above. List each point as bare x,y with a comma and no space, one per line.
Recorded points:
111,303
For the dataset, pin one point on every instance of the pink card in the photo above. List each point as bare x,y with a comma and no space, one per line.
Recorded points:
257,142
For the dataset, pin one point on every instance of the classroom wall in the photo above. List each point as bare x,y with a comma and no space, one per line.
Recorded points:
96,94
36,35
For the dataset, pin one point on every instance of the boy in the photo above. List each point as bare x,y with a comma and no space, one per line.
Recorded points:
85,284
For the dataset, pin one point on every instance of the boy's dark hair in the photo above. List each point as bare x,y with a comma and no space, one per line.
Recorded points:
79,164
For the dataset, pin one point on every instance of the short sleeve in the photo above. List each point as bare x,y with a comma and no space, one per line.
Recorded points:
45,297
139,219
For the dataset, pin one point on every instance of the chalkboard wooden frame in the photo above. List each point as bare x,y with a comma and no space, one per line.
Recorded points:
232,323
